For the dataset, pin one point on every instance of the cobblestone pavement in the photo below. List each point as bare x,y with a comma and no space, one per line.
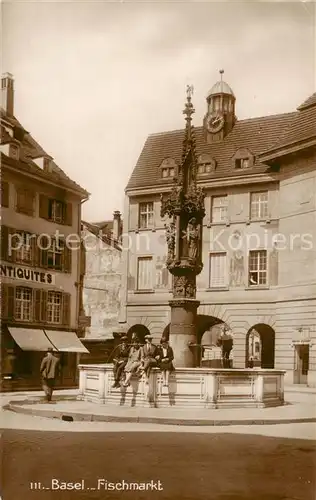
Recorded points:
10,420
255,462
191,464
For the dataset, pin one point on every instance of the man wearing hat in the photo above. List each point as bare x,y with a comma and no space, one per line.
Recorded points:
149,356
49,371
120,360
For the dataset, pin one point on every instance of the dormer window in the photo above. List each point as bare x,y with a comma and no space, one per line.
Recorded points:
243,159
242,163
206,164
167,172
168,168
14,151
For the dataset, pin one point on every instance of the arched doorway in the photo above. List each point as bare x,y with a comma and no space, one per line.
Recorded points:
208,331
216,343
140,331
260,346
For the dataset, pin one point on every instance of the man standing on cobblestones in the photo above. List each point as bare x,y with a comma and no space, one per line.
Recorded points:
49,371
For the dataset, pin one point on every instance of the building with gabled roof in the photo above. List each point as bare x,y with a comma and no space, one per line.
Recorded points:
259,234
40,257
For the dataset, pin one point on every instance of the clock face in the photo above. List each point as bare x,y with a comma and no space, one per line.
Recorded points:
215,123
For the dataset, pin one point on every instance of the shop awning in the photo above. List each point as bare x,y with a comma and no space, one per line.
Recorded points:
30,339
65,341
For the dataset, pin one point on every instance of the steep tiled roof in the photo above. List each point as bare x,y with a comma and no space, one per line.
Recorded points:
301,128
106,226
29,150
310,101
256,134
98,232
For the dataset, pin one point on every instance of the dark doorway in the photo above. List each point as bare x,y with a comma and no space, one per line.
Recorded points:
140,331
260,345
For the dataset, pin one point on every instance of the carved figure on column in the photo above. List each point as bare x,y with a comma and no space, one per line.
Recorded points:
170,237
193,238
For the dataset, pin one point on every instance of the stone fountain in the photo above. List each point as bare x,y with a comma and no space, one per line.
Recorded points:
189,386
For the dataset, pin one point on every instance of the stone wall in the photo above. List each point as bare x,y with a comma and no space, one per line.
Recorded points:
102,286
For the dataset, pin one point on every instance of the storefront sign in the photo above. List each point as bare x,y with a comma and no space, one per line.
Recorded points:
26,274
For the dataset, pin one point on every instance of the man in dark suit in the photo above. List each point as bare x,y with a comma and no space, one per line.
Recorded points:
49,371
149,356
120,360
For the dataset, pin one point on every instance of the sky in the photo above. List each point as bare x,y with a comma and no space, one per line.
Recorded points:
94,79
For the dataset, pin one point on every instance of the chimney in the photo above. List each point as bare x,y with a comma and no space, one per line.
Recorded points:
117,225
7,89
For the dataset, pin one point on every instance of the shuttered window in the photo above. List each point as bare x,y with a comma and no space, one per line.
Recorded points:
145,273
54,210
4,195
25,201
24,247
10,243
23,306
55,255
35,305
54,307
218,270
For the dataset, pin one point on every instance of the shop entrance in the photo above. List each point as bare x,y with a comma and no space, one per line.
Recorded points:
301,364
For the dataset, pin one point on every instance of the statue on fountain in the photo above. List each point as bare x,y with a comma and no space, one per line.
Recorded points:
171,239
184,205
193,238
226,342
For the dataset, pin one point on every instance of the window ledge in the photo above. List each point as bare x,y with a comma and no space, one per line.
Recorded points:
257,287
217,289
223,223
140,229
266,220
144,291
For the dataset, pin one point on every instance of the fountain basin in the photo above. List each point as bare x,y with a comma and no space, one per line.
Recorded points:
188,388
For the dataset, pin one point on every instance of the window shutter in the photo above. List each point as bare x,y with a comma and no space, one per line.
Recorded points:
4,242
4,301
42,253
43,306
68,214
66,309
273,267
4,194
67,258
11,297
43,206
34,252
14,241
82,259
37,304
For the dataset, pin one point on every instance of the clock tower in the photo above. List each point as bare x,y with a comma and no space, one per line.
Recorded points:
220,116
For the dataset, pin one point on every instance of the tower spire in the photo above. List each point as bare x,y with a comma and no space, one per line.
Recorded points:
188,112
221,72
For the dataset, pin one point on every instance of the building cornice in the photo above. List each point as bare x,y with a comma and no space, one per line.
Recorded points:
206,184
40,178
270,156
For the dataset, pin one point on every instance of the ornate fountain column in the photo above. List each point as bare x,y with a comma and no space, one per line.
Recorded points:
185,209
